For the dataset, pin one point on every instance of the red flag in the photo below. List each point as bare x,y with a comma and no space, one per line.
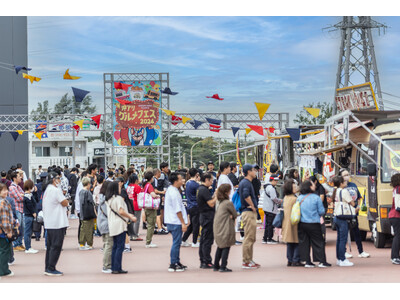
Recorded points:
215,96
258,129
176,119
215,128
122,86
117,85
77,128
270,129
97,120
123,102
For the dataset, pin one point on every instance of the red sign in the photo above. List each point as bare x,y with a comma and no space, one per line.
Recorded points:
137,114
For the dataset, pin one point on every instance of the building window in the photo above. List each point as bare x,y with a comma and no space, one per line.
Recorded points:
362,161
42,151
62,151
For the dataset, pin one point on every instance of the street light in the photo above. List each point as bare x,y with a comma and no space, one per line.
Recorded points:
191,153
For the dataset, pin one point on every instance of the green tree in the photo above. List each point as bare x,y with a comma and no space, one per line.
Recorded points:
64,106
41,110
305,118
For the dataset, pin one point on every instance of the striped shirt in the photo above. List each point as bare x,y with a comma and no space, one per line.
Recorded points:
17,194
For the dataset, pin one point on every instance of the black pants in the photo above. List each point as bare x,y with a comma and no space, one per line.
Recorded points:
395,222
221,254
310,234
55,239
73,206
269,229
79,227
207,237
357,237
194,226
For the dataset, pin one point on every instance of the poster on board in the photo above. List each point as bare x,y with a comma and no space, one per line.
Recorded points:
137,113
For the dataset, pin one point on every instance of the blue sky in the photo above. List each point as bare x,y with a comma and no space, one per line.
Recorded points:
286,61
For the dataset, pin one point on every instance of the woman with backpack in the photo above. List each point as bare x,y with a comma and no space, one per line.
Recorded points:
310,233
289,231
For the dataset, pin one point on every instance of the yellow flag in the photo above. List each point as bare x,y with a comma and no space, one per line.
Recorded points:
20,132
262,109
185,119
168,112
31,78
79,123
38,135
313,111
67,76
248,130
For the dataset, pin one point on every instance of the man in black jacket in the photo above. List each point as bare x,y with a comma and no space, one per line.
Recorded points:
73,184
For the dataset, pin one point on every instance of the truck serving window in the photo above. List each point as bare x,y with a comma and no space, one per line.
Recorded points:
390,163
362,161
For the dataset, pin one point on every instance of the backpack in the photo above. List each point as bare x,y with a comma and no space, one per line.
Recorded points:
236,202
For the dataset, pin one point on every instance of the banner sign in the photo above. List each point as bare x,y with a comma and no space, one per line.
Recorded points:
137,113
359,97
138,161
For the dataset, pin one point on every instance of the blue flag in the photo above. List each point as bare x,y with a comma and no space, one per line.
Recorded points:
19,68
235,130
196,123
294,133
213,121
15,135
79,94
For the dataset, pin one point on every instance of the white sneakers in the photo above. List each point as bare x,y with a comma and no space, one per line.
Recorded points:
185,244
345,263
363,255
151,246
31,251
348,255
197,245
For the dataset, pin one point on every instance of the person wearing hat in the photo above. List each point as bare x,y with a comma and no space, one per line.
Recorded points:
249,215
271,204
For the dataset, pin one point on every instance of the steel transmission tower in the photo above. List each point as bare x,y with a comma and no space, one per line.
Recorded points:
357,61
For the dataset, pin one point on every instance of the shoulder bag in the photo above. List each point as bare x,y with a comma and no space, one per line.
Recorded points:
145,200
109,205
88,210
295,216
344,212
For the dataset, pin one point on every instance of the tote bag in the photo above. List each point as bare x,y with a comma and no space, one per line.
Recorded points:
345,210
145,200
296,213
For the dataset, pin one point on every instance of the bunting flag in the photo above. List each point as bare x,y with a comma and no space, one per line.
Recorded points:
258,129
21,132
248,130
77,128
122,86
123,102
215,96
15,135
235,130
213,121
294,133
185,119
40,129
19,68
31,78
69,77
271,129
175,120
262,109
39,135
168,112
79,123
196,123
215,128
97,120
313,111
79,94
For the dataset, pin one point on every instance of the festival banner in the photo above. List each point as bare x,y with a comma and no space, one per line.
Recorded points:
137,120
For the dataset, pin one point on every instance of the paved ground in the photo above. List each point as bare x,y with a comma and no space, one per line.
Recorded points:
150,265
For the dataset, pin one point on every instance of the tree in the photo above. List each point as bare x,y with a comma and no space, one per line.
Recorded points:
64,106
305,118
41,110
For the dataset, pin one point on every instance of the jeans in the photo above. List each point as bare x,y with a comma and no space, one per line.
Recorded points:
55,240
207,237
269,229
117,250
5,253
176,232
310,234
395,222
20,217
292,252
194,226
28,221
107,250
151,217
221,254
342,228
249,219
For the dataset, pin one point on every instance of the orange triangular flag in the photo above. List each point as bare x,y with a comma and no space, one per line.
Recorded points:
168,112
38,135
313,111
248,130
79,123
20,132
262,109
69,77
30,77
185,119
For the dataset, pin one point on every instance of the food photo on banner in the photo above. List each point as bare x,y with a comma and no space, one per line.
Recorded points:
137,113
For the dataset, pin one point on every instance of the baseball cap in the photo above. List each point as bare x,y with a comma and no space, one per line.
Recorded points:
274,177
248,167
43,175
210,163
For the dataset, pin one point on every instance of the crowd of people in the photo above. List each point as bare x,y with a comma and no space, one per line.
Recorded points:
211,206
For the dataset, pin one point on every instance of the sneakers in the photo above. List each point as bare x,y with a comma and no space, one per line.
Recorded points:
53,273
363,255
175,268
182,266
19,248
225,270
185,244
396,261
206,266
309,265
264,242
324,265
83,248
345,263
136,239
272,242
241,238
31,251
127,250
255,264
151,246
238,243
197,245
119,272
12,262
89,247
348,255
8,275
249,266
338,262
107,271
162,231
73,217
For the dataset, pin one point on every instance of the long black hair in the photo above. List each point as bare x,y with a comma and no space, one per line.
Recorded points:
49,180
112,190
